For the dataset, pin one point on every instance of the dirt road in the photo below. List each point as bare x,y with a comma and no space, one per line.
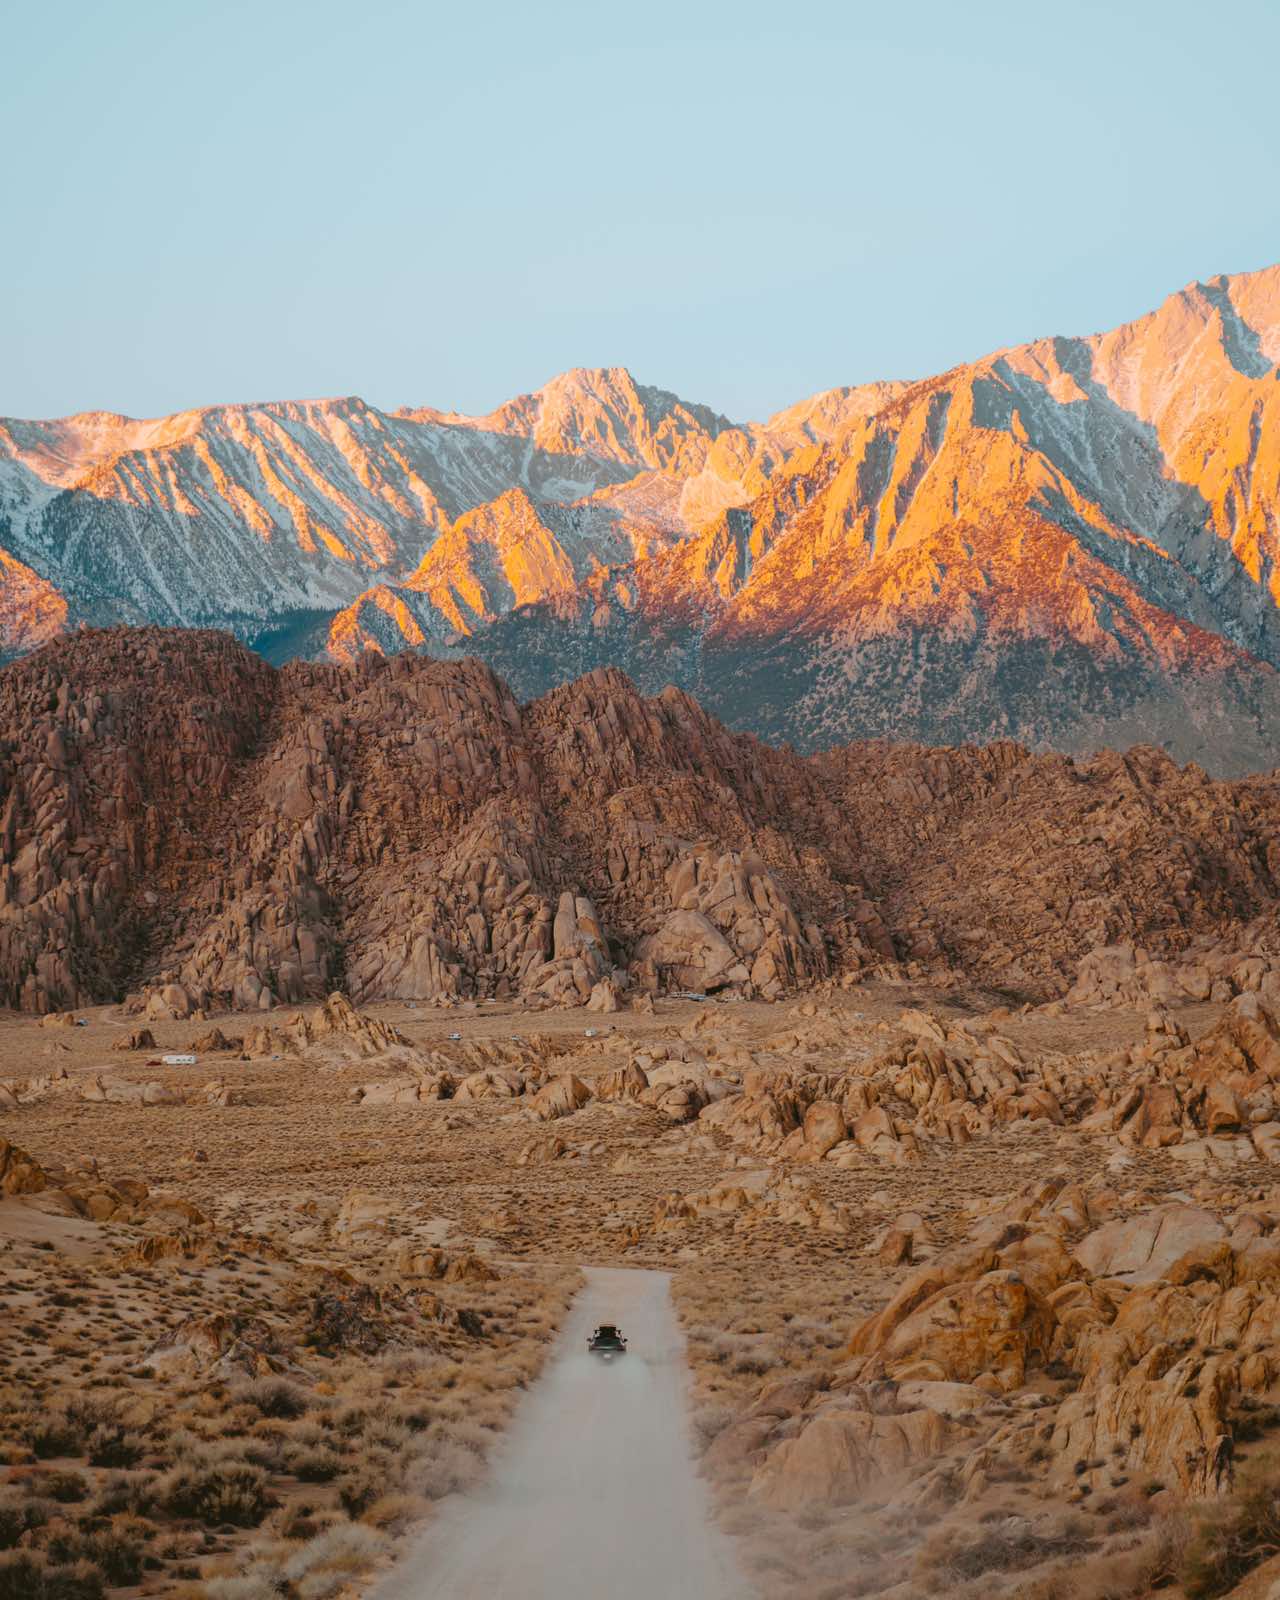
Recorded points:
593,1495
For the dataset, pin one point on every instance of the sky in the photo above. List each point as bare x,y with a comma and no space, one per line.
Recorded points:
745,203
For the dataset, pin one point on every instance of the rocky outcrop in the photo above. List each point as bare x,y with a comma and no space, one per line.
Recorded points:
82,1190
939,1084
220,1345
750,1199
337,1028
1073,1336
561,1097
837,1456
135,1039
408,824
406,1091
100,1090
490,1085
19,1174
408,828
1246,962
731,925
1216,1101
25,1091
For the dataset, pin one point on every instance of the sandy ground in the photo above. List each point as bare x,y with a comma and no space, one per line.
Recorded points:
595,1496
592,1492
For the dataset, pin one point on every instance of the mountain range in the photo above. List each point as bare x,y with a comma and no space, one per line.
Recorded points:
1071,542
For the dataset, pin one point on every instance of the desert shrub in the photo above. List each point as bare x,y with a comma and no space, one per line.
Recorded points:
263,1451
116,1551
18,1515
446,1469
259,1584
1129,1572
350,1421
1232,1538
21,1574
1133,1511
274,1397
312,1464
53,1434
394,1512
218,1492
1256,1419
68,1429
1005,1547
753,1363
298,1522
709,1421
321,1567
110,1445
326,1563
121,1492
27,1575
360,1486
85,1412
385,1432
67,1488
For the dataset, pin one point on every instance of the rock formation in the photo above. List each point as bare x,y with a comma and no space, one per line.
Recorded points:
1161,1321
184,824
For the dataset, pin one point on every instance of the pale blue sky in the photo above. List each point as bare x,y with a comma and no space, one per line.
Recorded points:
446,205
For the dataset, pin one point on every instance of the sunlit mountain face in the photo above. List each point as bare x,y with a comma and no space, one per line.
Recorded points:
1071,542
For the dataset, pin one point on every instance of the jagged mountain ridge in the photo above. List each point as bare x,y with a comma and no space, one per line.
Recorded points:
179,812
246,515
253,511
1072,542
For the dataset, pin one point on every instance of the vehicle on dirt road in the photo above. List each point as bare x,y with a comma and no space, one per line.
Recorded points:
607,1342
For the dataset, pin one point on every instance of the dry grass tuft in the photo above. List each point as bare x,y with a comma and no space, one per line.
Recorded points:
1230,1539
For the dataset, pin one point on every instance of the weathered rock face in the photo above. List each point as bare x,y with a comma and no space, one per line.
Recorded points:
19,1174
1218,1100
81,1190
108,790
1095,1337
1014,867
182,822
238,838
1246,961
559,1098
731,925
1163,1415
839,1455
1144,1248
993,1327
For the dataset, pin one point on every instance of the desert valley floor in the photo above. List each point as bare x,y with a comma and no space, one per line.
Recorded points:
975,1301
